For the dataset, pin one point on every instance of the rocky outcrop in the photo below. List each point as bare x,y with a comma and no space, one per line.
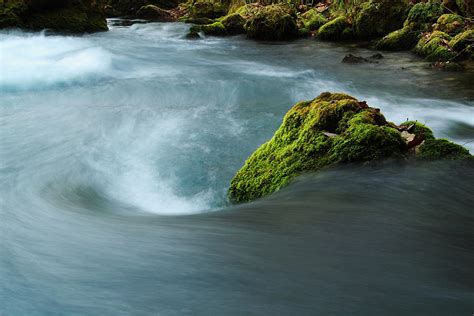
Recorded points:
75,16
333,129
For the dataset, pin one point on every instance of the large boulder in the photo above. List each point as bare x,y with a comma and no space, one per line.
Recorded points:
272,23
76,16
402,39
332,129
379,17
207,8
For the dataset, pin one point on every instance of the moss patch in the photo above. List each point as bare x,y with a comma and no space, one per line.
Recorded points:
450,24
436,149
272,23
312,20
379,17
334,30
402,39
435,47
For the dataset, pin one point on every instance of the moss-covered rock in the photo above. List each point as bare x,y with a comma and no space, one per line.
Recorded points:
214,29
435,47
335,30
76,16
436,149
233,23
207,8
450,24
312,20
379,17
462,40
424,14
402,39
333,128
272,23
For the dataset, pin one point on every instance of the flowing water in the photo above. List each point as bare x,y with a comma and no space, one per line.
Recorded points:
117,148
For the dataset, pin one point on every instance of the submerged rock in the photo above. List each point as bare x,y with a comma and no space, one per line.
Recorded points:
75,16
333,128
352,59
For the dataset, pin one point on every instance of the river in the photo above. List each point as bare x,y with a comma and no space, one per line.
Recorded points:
117,148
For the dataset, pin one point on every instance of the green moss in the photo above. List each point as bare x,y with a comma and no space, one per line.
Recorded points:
333,128
379,17
462,40
435,149
435,47
365,142
419,129
450,24
402,39
233,23
207,8
312,20
333,30
425,13
215,29
273,23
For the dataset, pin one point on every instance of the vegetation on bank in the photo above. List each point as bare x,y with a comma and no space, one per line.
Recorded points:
333,128
439,30
75,16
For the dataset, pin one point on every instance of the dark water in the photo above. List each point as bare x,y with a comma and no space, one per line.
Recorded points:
107,140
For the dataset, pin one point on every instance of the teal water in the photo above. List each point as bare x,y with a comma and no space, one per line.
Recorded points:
108,139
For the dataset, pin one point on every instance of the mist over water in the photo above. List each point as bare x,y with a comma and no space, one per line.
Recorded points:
106,138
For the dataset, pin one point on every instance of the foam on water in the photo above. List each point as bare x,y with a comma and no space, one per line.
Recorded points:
35,60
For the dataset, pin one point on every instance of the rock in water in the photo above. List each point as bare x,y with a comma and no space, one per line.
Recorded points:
333,128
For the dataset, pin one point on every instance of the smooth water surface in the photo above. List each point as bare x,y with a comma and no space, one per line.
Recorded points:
106,138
